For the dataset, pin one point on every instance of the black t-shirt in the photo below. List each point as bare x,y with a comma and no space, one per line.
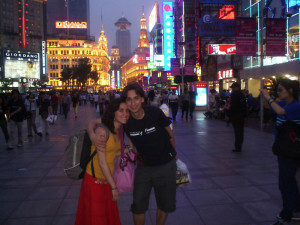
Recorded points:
45,103
15,105
150,137
238,106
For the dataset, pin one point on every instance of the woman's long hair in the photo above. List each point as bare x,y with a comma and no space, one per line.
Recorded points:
291,84
109,114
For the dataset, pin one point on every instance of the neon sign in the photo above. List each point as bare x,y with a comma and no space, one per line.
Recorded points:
67,24
223,74
221,49
168,34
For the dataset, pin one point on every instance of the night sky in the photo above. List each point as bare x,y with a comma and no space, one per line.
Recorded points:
112,10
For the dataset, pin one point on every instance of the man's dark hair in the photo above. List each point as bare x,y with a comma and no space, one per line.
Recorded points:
15,91
109,114
133,86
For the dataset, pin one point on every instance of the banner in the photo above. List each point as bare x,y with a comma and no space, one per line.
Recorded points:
245,32
275,37
175,66
189,68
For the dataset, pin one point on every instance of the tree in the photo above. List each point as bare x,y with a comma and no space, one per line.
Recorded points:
66,75
82,72
94,77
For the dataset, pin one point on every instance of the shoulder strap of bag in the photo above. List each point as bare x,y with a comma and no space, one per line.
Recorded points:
94,153
122,140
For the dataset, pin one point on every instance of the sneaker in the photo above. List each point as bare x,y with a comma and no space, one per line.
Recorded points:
282,222
19,145
29,135
39,134
296,216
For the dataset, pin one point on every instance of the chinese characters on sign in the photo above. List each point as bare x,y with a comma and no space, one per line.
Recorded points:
245,32
275,37
168,34
223,74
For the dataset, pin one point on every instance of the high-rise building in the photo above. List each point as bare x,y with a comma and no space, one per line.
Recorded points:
135,69
68,19
21,40
123,38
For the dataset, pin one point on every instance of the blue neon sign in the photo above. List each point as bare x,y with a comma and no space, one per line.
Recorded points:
168,34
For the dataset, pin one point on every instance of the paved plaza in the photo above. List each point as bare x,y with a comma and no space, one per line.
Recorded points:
226,188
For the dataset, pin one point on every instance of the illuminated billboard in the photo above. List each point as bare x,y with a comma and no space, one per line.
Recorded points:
21,64
221,49
168,34
227,12
68,24
153,18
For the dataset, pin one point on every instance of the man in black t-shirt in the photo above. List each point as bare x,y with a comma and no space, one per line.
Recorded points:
149,131
15,118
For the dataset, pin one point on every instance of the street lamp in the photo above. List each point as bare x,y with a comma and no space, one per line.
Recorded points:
182,44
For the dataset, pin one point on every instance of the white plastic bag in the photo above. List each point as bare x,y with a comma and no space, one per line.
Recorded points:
183,176
51,118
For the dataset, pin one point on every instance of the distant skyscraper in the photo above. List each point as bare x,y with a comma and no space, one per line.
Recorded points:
123,38
68,18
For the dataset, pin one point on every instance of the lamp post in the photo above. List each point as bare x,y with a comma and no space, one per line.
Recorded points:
182,44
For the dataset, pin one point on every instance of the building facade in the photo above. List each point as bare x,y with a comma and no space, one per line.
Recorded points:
262,70
135,69
66,54
21,39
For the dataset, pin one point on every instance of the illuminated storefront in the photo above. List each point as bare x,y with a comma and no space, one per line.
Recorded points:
259,72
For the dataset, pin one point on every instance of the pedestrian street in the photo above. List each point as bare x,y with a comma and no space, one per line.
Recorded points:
227,188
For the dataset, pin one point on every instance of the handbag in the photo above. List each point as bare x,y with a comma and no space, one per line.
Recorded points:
287,142
124,171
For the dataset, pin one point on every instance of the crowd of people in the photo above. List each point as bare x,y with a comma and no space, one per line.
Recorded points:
150,136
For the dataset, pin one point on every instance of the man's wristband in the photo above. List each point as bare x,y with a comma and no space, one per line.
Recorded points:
114,188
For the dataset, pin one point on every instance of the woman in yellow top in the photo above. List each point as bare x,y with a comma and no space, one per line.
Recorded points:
98,195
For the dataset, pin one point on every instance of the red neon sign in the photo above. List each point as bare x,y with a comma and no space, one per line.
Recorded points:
221,49
227,12
201,85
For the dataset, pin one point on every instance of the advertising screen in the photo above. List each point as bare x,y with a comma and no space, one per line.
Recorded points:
201,98
168,34
153,17
21,64
74,25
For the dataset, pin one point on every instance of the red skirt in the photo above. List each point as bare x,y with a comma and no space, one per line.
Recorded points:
95,206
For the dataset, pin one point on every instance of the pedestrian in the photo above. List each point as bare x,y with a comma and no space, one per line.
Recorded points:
15,118
287,109
96,98
99,194
238,115
44,109
31,107
153,99
101,100
54,103
184,100
66,103
61,112
149,130
192,103
3,121
173,103
211,103
75,101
